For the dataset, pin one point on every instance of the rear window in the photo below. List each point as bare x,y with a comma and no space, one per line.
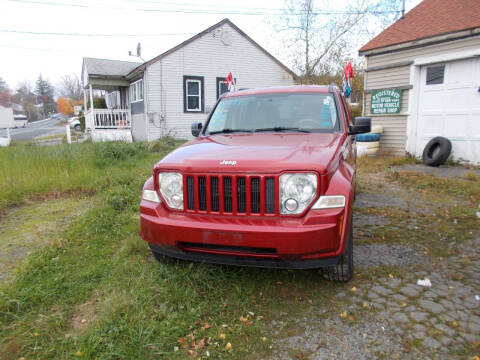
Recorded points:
314,112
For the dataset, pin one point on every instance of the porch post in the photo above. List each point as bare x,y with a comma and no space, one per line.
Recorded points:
91,98
84,101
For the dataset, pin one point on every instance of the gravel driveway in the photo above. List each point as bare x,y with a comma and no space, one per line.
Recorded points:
404,232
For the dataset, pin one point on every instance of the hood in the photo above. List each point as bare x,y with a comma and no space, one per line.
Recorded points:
255,153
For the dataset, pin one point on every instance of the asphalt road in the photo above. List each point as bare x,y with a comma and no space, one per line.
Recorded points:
40,128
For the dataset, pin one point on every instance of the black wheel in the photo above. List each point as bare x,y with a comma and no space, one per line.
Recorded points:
343,271
437,151
161,258
78,128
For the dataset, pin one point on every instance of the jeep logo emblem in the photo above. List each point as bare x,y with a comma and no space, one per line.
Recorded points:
228,162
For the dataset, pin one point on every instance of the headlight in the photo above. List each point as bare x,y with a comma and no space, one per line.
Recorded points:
297,191
171,188
151,195
329,202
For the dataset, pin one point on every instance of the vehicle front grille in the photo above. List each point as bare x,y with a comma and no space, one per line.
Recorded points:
231,194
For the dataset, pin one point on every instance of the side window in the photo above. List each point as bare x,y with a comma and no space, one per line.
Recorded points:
193,94
435,75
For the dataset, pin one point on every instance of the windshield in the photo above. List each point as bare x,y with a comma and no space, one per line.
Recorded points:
304,112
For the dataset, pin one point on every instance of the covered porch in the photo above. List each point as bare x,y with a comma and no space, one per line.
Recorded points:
107,79
113,123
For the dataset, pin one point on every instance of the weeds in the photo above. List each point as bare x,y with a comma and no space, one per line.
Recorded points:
100,271
29,170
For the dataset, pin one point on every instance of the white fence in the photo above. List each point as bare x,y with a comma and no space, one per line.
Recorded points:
108,119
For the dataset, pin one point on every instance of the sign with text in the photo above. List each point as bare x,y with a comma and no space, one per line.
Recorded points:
386,101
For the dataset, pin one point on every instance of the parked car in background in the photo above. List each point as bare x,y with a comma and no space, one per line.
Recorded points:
74,123
20,120
269,181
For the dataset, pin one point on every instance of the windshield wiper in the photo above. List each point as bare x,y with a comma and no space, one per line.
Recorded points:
228,131
282,128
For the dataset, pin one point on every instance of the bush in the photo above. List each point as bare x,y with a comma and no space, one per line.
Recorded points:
81,118
163,144
122,197
109,153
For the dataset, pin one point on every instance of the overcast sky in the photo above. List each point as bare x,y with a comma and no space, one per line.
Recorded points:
158,25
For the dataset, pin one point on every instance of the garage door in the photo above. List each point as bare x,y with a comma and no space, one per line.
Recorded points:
449,106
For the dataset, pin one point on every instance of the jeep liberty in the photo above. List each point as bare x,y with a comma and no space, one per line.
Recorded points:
268,181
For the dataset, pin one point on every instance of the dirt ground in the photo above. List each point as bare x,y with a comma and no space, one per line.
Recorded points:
411,222
28,227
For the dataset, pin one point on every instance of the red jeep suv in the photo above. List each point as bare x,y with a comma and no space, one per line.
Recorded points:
268,181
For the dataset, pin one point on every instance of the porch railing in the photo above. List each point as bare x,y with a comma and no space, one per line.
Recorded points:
108,119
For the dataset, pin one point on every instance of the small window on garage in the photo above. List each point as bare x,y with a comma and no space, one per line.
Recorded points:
435,74
193,96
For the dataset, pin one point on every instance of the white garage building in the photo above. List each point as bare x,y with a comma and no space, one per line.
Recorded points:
429,63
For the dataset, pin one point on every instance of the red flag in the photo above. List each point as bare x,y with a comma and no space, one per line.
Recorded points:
230,79
349,71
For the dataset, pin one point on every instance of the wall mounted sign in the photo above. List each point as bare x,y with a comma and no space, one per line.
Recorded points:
386,101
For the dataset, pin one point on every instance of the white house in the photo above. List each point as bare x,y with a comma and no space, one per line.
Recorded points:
168,93
422,79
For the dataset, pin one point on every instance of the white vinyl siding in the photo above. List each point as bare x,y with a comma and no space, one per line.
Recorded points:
210,58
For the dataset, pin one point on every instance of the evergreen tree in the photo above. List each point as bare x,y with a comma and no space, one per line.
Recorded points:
45,93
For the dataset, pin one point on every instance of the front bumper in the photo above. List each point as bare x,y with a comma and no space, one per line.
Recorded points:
312,241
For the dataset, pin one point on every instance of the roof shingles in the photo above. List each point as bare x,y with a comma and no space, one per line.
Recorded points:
429,18
107,67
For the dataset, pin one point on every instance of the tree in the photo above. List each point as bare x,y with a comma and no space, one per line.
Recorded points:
71,87
321,41
5,95
5,98
45,92
24,96
64,106
3,85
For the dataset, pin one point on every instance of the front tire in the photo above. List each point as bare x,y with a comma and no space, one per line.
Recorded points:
78,128
343,271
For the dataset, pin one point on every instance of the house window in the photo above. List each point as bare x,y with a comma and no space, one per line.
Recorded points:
136,91
435,74
221,86
193,96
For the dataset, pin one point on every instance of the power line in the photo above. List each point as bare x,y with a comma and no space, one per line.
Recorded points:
87,35
206,12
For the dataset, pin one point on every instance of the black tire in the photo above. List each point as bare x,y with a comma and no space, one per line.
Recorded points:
437,151
78,128
343,271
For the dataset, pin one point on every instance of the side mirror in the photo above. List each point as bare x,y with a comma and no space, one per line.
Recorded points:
361,125
196,128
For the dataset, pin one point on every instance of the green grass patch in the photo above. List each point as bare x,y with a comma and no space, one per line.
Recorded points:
30,171
367,164
97,292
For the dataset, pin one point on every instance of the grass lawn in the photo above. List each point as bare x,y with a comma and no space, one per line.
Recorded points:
94,291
